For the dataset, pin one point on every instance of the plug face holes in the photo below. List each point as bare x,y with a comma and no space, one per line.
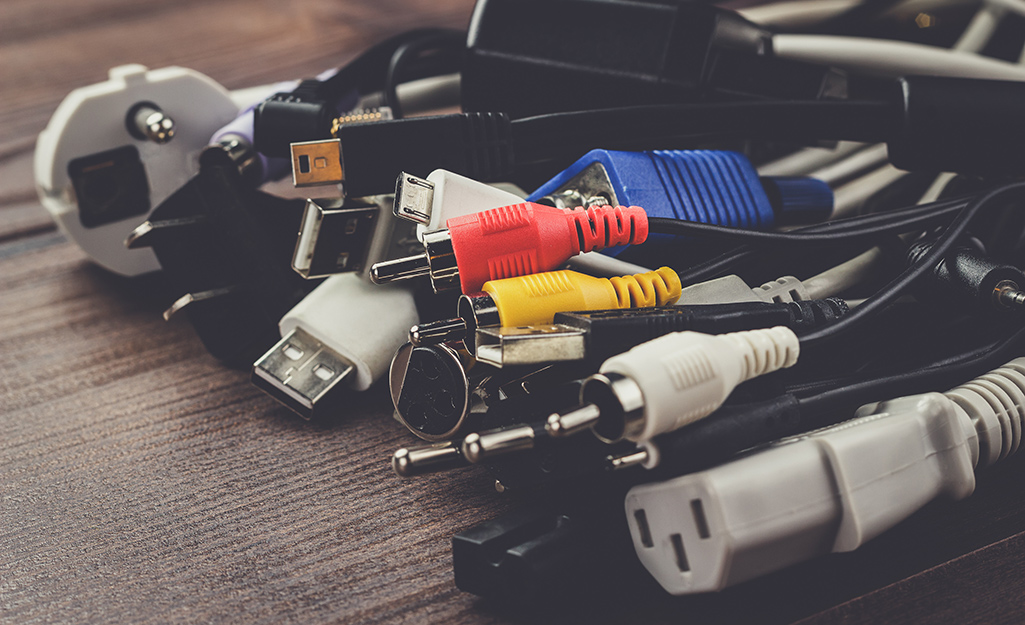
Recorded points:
304,163
698,509
324,373
292,352
642,528
681,555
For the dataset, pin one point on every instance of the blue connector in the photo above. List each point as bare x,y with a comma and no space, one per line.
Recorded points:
708,186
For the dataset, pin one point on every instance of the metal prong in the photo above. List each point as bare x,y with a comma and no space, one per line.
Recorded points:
146,234
437,332
361,116
528,345
400,269
1008,295
484,445
572,422
420,460
414,198
192,298
152,123
616,463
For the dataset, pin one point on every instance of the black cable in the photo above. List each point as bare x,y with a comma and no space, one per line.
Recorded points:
438,53
537,138
896,287
368,73
915,217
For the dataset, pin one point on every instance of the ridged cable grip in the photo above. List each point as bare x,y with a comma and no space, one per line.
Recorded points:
528,238
534,299
685,376
995,403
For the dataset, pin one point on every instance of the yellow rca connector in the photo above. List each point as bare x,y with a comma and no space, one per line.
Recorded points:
535,299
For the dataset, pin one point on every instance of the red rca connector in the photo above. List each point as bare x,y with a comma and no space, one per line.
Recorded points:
512,241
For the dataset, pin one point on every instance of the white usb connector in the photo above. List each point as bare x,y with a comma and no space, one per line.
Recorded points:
827,491
340,335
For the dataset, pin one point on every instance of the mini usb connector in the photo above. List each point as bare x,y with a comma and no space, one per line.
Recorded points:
299,371
317,162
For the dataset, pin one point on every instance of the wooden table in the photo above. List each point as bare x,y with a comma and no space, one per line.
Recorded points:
141,481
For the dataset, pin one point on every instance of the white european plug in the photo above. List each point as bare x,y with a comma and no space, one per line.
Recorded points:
98,174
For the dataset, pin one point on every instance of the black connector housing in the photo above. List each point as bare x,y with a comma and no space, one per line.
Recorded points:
611,332
286,118
960,124
476,145
231,245
585,54
968,276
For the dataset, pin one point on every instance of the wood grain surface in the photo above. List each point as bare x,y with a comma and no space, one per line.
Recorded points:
143,482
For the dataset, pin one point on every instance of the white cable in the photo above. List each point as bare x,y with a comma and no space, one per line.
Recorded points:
838,172
798,13
936,188
827,491
849,198
732,288
806,160
892,58
838,279
980,29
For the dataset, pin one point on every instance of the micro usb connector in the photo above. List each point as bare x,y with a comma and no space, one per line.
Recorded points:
414,198
300,372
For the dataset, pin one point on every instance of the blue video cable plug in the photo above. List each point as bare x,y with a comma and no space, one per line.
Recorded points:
709,186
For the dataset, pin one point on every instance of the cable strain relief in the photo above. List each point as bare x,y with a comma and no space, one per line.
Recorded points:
601,227
765,350
654,288
798,199
488,141
809,314
995,403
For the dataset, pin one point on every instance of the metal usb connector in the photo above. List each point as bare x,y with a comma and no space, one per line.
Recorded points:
301,372
414,198
334,238
526,345
317,162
